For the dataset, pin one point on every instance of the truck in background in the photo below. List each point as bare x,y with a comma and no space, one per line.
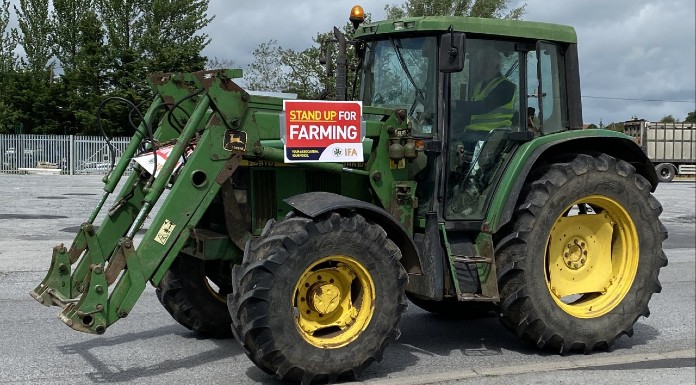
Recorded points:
670,146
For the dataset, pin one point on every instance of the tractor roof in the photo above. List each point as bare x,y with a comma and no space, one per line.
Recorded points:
471,25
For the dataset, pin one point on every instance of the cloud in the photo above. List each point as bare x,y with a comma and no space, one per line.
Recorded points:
634,49
237,30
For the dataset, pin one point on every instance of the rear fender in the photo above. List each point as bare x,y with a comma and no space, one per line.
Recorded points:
551,148
314,204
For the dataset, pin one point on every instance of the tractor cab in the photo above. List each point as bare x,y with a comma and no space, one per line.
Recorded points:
472,95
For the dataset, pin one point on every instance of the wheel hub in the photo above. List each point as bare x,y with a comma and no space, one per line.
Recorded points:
575,254
324,297
579,255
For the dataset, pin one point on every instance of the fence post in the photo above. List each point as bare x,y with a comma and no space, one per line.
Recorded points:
71,156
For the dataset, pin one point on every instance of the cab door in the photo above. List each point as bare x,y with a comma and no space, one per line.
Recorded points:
484,114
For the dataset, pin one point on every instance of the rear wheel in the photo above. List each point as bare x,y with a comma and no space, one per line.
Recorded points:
319,299
582,260
193,291
665,172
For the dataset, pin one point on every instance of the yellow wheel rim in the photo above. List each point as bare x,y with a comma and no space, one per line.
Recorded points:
334,300
591,257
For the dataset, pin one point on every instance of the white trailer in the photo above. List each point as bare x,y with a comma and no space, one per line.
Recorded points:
670,146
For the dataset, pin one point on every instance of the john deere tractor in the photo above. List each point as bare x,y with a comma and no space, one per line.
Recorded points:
302,228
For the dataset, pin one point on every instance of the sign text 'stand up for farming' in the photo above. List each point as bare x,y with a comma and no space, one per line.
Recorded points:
322,131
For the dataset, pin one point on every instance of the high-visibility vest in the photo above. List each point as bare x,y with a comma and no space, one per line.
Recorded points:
496,118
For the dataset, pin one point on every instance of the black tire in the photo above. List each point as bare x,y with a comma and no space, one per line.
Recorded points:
528,307
451,308
265,308
665,172
188,296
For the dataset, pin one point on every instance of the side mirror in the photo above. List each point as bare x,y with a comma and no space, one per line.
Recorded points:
452,51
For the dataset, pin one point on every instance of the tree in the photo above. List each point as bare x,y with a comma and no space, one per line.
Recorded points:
67,18
619,127
8,41
476,8
306,75
266,72
691,117
104,47
37,29
668,119
172,40
8,65
86,81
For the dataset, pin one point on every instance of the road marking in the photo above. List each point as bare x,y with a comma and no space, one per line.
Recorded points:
569,363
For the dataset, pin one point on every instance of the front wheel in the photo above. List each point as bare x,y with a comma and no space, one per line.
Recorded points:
318,299
193,291
581,262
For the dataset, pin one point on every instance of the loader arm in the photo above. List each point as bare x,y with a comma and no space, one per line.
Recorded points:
79,279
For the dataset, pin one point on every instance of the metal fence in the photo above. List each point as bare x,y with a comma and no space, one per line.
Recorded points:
57,154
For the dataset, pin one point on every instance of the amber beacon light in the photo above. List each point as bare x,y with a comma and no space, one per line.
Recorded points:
357,16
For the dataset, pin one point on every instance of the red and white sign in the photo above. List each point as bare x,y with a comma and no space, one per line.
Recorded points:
322,131
147,160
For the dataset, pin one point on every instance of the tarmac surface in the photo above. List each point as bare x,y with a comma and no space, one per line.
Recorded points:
38,212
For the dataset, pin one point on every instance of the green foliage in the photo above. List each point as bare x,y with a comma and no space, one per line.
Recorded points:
67,18
691,117
592,126
618,127
306,76
476,8
668,119
8,64
171,40
266,72
8,40
102,48
85,77
300,72
36,38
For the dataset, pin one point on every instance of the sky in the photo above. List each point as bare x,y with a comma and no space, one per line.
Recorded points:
637,57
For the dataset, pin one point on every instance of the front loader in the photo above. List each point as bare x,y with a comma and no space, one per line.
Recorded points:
309,262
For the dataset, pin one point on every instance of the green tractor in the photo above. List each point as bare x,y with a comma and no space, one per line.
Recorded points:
462,199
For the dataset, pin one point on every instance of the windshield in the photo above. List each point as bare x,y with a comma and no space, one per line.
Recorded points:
401,73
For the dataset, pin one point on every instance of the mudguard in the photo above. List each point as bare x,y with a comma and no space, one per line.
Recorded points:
538,151
314,204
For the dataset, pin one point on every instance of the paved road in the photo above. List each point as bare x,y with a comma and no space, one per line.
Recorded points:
149,347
